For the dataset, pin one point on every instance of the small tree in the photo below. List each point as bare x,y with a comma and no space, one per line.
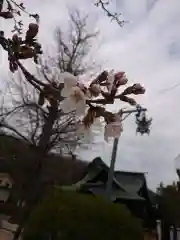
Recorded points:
70,215
168,200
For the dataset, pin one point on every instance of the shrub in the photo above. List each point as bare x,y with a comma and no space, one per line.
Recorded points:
73,216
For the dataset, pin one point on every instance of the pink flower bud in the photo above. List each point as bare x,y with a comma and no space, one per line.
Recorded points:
120,79
119,75
15,38
32,31
138,89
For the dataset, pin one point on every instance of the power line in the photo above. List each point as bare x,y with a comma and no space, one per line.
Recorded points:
169,88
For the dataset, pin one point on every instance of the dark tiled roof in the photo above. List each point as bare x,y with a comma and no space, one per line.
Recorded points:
132,182
116,194
126,185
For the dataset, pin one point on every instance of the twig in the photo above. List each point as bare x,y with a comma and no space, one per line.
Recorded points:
113,16
4,125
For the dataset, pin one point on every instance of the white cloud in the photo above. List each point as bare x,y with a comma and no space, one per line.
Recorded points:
147,49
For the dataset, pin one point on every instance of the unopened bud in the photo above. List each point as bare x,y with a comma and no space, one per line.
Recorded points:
32,31
15,38
138,89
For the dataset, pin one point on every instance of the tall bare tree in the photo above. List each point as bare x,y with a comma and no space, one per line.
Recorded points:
27,115
46,128
74,47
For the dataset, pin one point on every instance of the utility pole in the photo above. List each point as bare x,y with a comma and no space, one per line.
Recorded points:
114,153
111,169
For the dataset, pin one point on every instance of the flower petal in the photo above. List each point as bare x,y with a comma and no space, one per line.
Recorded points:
81,107
95,89
77,94
81,86
84,133
88,95
69,79
110,80
67,105
66,92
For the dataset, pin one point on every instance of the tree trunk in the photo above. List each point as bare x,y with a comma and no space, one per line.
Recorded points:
35,185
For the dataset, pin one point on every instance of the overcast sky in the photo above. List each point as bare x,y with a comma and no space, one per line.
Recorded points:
148,50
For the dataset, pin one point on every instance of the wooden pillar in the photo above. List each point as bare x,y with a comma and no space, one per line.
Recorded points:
159,229
178,233
171,233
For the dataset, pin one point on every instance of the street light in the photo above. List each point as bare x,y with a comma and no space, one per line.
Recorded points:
142,126
143,123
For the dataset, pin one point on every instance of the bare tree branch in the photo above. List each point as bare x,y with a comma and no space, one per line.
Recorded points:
7,126
114,16
75,47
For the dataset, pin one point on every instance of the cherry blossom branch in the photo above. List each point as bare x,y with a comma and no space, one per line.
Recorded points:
53,92
109,99
31,78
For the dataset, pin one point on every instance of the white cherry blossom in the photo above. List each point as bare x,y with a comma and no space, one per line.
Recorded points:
70,81
75,100
74,94
85,133
110,80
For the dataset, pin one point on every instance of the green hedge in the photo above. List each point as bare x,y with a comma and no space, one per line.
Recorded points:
74,216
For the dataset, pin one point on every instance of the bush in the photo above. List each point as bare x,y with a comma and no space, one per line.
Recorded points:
74,216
